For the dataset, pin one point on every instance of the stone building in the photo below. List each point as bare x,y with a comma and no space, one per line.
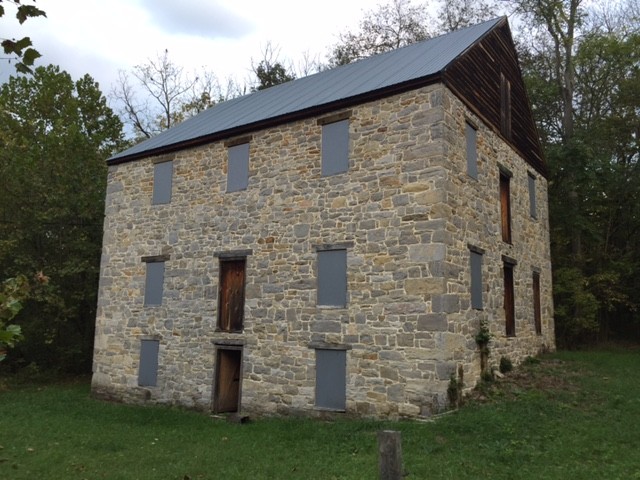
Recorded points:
332,244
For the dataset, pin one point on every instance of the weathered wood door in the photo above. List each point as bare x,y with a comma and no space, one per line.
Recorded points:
509,305
227,384
231,295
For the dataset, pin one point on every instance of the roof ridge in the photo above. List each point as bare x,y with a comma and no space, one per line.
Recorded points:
356,81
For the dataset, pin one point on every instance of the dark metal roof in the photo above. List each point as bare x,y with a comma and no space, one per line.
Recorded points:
373,74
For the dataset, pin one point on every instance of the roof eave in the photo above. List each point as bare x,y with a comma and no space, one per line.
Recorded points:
314,111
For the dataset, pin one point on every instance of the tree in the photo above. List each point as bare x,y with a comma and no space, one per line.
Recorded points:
581,70
391,26
270,71
55,135
158,94
456,14
22,49
12,293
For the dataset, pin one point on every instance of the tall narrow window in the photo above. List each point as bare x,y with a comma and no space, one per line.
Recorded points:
148,368
335,147
162,181
505,206
154,281
509,301
537,317
238,167
476,278
231,295
332,278
472,151
532,196
331,378
505,106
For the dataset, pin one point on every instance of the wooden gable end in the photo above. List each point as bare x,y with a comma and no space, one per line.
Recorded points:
475,77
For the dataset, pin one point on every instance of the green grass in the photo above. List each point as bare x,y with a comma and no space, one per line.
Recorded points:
572,416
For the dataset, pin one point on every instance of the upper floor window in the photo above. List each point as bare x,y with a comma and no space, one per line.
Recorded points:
332,277
476,277
471,135
505,205
505,106
231,294
335,147
532,195
162,180
154,280
238,167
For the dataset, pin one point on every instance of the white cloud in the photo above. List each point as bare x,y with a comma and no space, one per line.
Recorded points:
100,37
204,18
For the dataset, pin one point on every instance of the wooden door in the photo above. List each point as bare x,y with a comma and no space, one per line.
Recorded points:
509,301
231,295
227,385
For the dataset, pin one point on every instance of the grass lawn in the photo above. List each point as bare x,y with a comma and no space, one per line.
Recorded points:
572,416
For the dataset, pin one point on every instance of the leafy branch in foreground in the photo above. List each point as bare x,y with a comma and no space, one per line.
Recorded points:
13,293
22,49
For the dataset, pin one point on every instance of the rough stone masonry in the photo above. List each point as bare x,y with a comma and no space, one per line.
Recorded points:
407,213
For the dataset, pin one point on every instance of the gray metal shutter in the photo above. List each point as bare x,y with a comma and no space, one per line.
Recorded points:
472,151
331,379
238,167
332,278
335,148
476,280
148,371
153,283
532,196
162,180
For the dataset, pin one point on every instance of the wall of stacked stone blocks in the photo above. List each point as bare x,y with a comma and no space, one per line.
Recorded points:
408,211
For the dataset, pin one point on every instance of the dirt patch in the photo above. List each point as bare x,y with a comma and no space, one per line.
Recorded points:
550,376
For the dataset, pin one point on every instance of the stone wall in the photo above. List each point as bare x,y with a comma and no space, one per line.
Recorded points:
406,208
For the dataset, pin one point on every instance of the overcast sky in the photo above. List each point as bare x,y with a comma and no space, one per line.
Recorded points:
100,37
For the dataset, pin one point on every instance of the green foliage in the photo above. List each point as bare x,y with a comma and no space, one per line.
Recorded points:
271,74
594,189
21,49
484,335
390,26
13,292
505,365
55,135
455,387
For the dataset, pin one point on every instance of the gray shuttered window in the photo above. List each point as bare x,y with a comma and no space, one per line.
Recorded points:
148,369
472,151
238,167
331,379
532,196
162,180
476,280
332,278
335,148
153,283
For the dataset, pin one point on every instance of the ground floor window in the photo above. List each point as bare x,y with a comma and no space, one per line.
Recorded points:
331,379
537,317
148,369
509,301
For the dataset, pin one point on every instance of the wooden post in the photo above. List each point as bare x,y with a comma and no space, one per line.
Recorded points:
390,455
